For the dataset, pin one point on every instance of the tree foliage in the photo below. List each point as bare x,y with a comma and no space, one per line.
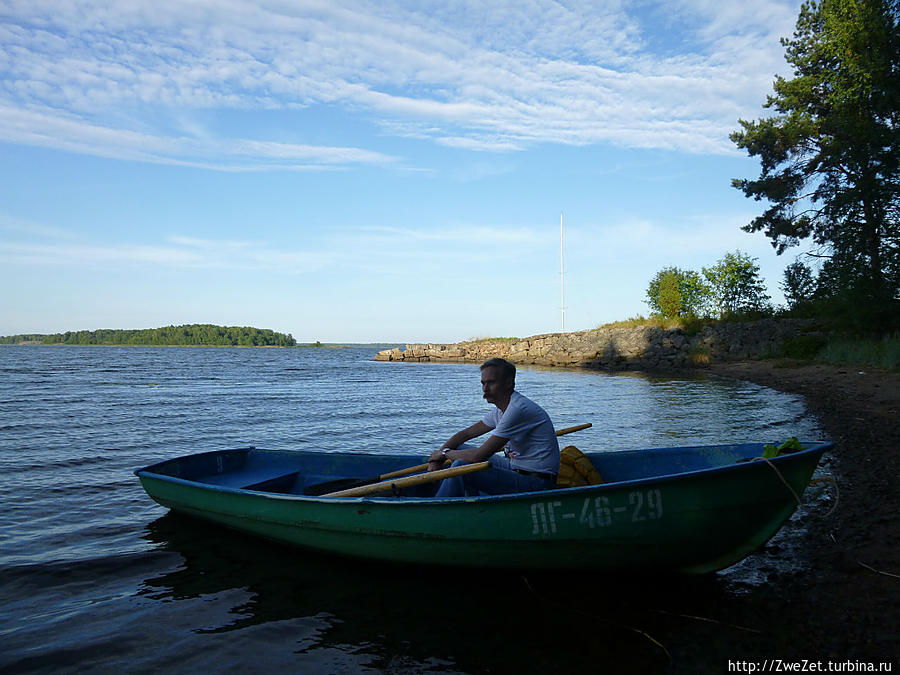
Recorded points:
17,339
669,296
730,287
830,152
736,286
675,292
187,335
799,285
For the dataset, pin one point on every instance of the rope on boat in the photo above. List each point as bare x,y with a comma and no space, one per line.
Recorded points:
786,484
814,481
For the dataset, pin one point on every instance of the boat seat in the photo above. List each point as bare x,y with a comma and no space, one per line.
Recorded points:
250,479
281,484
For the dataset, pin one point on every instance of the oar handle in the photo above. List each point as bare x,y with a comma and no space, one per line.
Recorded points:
570,430
405,472
389,485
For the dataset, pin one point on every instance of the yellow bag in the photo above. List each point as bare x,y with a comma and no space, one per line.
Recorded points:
575,469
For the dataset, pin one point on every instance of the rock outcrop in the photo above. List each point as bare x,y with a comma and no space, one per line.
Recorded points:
620,348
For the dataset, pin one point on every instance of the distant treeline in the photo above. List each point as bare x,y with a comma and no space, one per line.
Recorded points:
190,335
16,339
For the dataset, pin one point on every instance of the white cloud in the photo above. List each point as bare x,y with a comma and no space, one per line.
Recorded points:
175,251
689,241
21,227
494,77
469,235
50,128
89,255
440,253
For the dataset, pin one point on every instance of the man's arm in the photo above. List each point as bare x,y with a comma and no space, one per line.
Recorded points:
489,447
466,434
492,445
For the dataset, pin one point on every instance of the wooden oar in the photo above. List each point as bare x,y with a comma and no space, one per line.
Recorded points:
409,481
569,430
319,489
346,483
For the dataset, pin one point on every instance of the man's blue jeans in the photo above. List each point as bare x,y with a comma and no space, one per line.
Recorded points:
497,479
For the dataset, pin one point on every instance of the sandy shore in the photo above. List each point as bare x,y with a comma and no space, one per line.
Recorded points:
844,600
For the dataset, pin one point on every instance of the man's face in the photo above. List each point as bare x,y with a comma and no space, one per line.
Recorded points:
493,385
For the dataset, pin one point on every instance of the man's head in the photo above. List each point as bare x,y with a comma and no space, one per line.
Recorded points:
498,379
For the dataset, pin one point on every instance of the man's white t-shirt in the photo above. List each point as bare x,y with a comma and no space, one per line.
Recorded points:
532,439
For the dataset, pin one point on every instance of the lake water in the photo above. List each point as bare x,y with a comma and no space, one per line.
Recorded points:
95,577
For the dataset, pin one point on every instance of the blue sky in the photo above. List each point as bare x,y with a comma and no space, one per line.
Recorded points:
371,171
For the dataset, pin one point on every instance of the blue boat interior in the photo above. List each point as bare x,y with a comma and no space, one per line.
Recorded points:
286,472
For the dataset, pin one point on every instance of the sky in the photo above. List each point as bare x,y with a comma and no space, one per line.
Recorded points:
351,171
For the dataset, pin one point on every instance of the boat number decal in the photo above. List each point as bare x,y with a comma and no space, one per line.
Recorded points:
646,505
219,464
543,517
598,512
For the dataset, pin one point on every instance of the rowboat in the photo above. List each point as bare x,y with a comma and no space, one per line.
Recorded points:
683,509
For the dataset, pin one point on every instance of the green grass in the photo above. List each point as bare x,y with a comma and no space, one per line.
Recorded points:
700,356
639,321
690,325
803,347
492,339
871,353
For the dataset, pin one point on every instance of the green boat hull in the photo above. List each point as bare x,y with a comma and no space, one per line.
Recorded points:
691,521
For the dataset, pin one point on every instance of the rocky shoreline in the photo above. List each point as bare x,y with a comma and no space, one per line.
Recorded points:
620,347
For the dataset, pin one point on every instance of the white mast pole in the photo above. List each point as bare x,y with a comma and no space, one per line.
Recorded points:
562,272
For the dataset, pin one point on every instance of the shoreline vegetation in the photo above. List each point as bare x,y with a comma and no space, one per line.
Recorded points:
189,335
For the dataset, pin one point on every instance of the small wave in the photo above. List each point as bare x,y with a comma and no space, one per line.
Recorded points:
72,571
87,489
69,463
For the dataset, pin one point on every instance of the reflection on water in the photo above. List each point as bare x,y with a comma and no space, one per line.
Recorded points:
335,613
387,617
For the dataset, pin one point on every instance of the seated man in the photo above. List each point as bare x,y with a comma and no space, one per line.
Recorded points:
531,459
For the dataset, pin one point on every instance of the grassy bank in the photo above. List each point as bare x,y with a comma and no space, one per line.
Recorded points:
872,353
843,350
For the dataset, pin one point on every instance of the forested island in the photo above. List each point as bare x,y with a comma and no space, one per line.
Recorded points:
192,335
